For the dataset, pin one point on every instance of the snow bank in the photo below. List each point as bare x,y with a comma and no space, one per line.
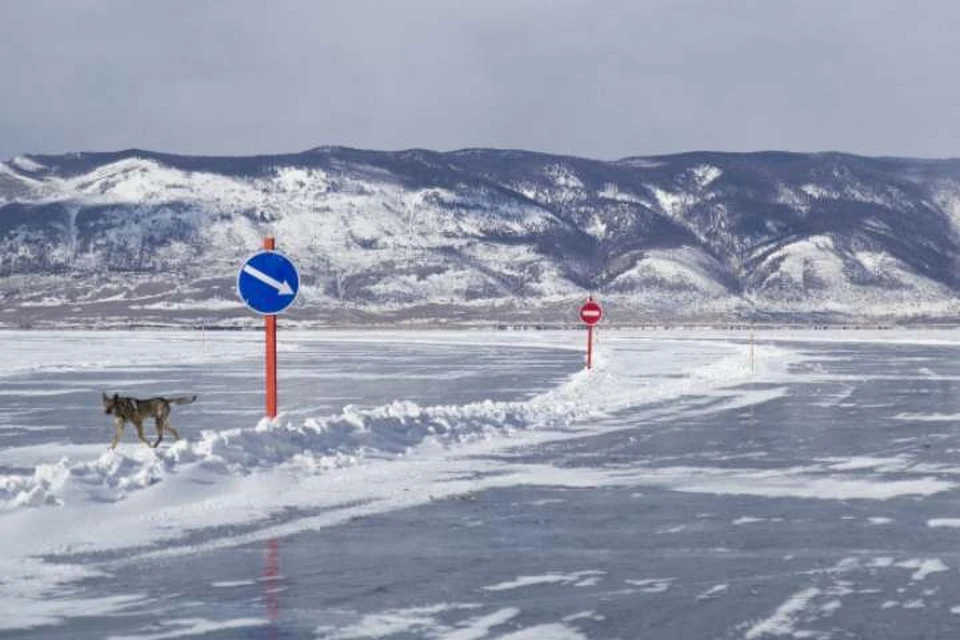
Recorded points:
316,445
323,443
40,488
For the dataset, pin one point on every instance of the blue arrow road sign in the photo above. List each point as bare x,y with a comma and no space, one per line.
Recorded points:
268,282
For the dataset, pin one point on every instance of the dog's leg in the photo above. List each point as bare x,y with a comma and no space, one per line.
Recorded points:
162,418
169,427
159,425
118,423
138,423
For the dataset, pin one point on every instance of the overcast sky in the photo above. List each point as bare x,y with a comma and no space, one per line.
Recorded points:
596,78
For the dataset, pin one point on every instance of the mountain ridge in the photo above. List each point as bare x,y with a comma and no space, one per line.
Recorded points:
481,236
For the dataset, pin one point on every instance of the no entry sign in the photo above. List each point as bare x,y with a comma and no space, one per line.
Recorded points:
591,312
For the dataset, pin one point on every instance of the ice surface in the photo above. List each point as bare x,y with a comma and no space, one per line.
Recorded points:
743,473
782,622
28,351
235,475
330,442
186,627
924,567
584,578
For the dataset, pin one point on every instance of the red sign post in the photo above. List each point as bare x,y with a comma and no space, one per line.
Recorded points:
590,314
268,283
271,332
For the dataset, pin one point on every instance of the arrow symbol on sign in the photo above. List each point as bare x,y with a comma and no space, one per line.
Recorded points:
282,287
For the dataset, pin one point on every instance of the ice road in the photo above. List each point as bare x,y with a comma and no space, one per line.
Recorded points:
469,484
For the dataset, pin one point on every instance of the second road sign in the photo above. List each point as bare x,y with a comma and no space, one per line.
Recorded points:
590,313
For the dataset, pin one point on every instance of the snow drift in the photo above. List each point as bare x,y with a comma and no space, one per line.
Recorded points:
357,434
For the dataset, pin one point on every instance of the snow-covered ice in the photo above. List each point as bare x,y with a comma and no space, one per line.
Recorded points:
481,484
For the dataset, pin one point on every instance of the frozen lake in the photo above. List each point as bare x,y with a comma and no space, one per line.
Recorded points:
479,485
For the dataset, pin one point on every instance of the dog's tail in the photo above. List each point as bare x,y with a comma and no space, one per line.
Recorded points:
181,399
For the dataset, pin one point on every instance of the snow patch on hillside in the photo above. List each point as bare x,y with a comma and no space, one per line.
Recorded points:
612,191
673,203
25,164
705,174
811,262
814,275
677,269
946,196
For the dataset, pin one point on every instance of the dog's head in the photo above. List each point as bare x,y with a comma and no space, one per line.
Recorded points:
109,403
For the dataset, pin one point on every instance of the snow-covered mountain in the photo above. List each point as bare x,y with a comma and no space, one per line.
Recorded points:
479,235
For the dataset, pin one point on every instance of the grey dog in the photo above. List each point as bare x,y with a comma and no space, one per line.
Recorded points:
134,410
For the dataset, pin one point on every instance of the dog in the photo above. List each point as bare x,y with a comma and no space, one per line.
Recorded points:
134,410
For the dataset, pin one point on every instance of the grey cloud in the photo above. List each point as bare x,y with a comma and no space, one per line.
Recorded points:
601,79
